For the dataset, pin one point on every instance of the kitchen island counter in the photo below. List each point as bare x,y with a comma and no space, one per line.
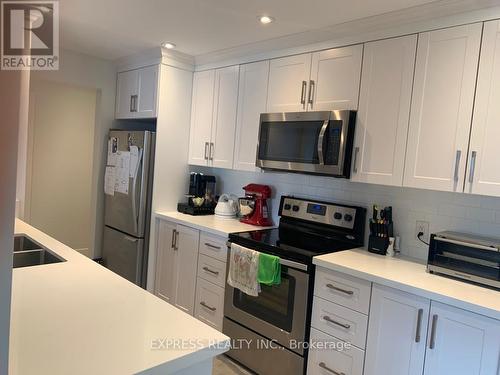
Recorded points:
77,317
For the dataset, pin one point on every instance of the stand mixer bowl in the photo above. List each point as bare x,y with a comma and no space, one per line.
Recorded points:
247,206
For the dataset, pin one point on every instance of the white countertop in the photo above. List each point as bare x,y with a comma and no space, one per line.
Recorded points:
412,277
77,317
209,223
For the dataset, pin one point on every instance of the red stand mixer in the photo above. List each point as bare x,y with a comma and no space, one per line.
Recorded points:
253,207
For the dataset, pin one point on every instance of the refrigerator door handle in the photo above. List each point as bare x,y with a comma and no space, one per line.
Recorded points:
135,214
131,239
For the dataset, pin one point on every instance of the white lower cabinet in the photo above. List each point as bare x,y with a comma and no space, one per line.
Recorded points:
330,356
461,343
209,303
397,333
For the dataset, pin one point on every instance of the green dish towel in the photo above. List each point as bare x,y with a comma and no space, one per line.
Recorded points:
269,270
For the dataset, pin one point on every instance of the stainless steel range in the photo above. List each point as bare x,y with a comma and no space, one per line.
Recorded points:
269,330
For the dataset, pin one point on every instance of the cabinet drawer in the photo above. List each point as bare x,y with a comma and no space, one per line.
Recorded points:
212,270
213,246
340,322
343,289
329,355
209,304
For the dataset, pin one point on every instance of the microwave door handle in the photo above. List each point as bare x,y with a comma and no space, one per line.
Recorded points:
321,138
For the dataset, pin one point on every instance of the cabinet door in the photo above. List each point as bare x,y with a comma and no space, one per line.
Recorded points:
147,92
335,76
384,110
252,100
201,117
288,80
186,266
484,154
224,123
396,333
165,261
461,343
441,111
126,87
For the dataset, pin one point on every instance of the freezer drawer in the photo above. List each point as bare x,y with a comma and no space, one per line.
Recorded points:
124,255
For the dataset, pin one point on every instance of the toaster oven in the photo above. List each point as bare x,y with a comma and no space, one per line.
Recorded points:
466,257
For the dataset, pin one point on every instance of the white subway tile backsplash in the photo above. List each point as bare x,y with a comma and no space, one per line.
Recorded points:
443,211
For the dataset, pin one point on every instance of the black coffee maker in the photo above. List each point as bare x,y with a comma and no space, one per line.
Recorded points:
201,196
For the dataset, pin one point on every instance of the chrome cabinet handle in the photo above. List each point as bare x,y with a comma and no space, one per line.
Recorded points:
303,94
419,324
206,150
212,246
131,106
348,292
325,367
211,153
330,320
356,152
173,239
208,307
457,164
432,341
472,166
206,269
312,86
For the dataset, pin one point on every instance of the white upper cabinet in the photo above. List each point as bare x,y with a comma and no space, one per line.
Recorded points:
396,333
384,109
441,110
288,81
213,117
483,175
224,117
252,99
201,117
461,343
335,76
136,93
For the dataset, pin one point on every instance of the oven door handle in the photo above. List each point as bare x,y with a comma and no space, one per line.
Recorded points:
321,138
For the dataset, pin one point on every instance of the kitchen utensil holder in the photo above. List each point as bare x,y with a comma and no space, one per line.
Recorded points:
378,245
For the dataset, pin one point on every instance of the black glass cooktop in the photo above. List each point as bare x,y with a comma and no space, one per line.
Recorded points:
292,243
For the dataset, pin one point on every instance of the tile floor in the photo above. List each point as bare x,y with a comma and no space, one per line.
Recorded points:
223,365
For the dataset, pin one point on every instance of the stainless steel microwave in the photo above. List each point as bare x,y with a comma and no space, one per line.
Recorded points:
307,142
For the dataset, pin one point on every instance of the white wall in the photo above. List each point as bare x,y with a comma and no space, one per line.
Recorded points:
444,211
92,73
61,149
14,87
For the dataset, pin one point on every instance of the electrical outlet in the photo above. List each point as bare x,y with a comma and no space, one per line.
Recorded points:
422,226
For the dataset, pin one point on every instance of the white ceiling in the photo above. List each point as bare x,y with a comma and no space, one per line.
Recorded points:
112,29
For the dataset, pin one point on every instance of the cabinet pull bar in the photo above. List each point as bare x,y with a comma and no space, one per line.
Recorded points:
355,163
432,342
173,239
419,324
211,153
311,92
206,150
457,164
472,166
348,292
131,106
207,307
325,367
206,269
212,246
303,94
330,320
176,240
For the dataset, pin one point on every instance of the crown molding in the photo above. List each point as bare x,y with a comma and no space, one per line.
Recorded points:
431,16
155,56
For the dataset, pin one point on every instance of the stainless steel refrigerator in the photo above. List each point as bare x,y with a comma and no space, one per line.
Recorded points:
128,190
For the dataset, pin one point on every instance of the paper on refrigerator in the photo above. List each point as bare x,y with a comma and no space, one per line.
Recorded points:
112,151
122,171
109,180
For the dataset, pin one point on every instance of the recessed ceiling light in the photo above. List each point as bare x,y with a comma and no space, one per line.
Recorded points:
168,45
266,19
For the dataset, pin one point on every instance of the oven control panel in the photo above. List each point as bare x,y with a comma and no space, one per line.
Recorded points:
319,212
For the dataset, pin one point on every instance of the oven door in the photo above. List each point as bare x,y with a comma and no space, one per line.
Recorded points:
310,142
279,312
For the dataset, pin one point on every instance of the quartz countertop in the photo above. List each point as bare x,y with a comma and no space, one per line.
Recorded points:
77,317
411,276
208,223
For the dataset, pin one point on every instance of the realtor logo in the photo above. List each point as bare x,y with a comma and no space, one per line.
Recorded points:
30,35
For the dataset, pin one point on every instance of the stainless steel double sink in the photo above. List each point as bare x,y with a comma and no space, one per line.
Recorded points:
29,253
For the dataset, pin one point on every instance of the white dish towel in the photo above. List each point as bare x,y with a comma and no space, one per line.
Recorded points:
243,268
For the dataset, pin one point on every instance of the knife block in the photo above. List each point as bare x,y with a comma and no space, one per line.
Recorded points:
378,245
